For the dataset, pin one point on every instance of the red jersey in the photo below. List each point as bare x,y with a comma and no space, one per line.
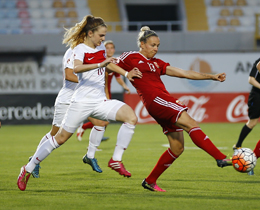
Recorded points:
150,85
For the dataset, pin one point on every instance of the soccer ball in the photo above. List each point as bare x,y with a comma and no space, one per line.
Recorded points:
244,160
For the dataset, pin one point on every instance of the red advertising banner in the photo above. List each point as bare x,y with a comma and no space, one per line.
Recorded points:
203,107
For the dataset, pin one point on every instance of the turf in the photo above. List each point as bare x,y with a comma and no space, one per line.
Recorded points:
193,182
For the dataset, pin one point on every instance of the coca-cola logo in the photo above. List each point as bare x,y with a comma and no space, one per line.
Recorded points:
207,107
196,111
237,109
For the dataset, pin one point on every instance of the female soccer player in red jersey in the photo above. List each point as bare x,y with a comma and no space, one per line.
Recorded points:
170,113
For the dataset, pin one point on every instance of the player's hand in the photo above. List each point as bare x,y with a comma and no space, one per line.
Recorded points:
108,61
127,90
220,77
134,73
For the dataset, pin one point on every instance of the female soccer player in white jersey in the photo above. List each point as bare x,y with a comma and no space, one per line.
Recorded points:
110,50
62,102
70,81
165,109
89,99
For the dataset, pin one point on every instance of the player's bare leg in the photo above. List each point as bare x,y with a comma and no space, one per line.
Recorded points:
176,142
201,140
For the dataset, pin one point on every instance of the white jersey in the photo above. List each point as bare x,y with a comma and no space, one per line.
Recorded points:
91,85
67,90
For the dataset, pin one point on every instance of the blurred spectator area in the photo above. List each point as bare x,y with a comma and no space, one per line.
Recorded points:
50,16
40,16
232,15
233,22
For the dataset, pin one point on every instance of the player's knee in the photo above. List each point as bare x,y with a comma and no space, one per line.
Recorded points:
105,123
189,125
127,114
60,139
181,151
252,123
62,136
101,123
132,119
177,150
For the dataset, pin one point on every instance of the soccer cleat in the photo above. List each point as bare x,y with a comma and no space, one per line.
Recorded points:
36,170
23,178
235,147
104,138
93,163
152,187
118,166
80,132
224,163
251,173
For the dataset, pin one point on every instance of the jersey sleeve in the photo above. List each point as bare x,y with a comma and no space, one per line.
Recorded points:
254,70
122,62
68,59
78,53
70,63
162,66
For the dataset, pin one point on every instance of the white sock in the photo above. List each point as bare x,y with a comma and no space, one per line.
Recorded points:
95,138
45,138
124,137
42,152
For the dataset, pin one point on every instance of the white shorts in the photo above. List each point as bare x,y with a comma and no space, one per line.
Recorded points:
78,112
59,113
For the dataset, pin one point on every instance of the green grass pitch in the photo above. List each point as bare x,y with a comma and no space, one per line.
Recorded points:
192,182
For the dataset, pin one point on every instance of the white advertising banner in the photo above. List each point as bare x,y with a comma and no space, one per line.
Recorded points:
27,77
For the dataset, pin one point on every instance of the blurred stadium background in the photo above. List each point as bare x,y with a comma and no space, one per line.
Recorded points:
204,35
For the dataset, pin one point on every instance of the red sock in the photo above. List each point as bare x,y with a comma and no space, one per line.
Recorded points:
87,125
202,141
257,149
163,163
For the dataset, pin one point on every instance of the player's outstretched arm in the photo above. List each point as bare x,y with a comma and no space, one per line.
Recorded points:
189,74
220,77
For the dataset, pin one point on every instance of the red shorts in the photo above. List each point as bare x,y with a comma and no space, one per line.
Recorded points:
166,110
